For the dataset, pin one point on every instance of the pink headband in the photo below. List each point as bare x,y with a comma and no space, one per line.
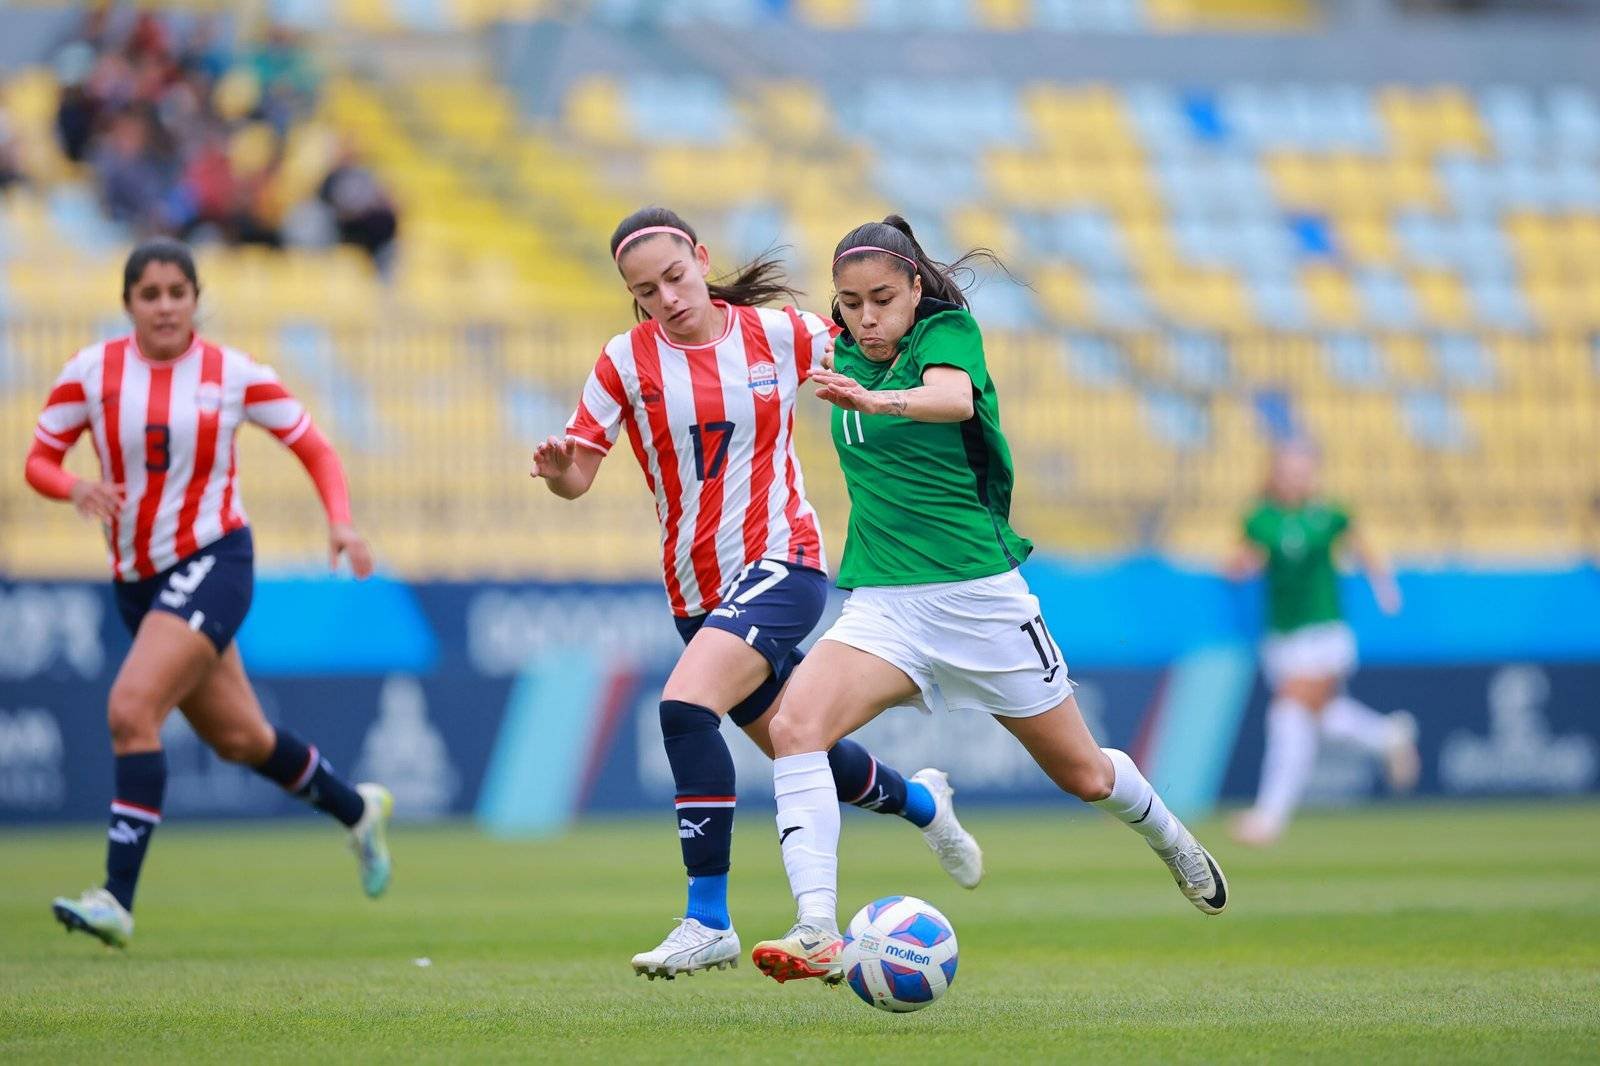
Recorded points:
873,248
648,231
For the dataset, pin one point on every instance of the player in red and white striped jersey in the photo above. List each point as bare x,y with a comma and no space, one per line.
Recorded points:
704,387
162,406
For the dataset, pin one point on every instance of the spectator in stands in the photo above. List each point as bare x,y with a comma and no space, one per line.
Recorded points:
132,184
183,136
362,209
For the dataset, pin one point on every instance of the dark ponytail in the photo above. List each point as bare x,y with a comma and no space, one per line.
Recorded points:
948,282
158,250
760,281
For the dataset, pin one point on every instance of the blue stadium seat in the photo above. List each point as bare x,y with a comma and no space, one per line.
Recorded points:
1095,361
1387,298
1354,361
1461,361
1433,421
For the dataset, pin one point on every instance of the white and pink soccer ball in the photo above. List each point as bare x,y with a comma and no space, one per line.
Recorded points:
899,953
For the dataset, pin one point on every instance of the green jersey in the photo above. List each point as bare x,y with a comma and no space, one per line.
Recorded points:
1302,581
929,501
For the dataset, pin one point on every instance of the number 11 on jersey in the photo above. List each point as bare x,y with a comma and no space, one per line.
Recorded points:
846,423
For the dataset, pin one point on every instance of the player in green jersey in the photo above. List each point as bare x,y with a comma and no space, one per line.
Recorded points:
1293,534
936,598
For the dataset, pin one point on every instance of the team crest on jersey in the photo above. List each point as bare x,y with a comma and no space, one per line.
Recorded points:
763,379
208,397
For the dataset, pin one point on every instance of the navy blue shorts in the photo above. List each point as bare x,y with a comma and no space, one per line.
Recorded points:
210,589
772,607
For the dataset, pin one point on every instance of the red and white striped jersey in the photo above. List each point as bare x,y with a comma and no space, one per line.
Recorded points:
165,432
713,430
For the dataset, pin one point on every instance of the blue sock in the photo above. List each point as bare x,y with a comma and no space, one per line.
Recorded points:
864,782
141,782
702,774
302,770
708,900
920,807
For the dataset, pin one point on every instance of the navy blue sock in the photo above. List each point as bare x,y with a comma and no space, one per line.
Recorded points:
865,782
302,770
141,782
702,773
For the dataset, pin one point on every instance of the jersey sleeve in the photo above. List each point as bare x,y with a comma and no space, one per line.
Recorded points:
953,339
811,336
1338,520
1254,526
66,411
271,406
599,415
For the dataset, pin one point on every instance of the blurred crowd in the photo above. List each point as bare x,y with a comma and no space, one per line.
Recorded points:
187,133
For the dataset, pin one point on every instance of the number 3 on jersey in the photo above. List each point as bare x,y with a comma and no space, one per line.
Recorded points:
712,437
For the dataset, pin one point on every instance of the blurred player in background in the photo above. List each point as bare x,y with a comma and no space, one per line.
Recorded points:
1310,652
937,600
705,385
162,406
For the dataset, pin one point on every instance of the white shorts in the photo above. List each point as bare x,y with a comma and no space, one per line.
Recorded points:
982,643
1326,649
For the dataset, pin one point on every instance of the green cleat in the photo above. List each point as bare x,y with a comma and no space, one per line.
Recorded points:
97,913
369,838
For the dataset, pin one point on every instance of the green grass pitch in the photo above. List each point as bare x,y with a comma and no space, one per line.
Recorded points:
1426,934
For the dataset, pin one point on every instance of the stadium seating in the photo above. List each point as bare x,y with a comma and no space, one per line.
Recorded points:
1411,274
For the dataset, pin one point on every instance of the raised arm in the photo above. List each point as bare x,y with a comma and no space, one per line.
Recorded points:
1385,590
569,463
269,405
945,395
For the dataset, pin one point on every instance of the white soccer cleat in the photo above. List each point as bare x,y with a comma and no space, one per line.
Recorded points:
688,948
1198,876
1402,764
958,852
97,913
804,951
369,838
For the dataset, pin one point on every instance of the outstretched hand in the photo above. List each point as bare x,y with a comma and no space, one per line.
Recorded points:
844,392
554,457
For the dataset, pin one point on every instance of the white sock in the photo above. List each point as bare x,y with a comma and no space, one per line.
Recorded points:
808,832
1134,803
1347,718
1286,766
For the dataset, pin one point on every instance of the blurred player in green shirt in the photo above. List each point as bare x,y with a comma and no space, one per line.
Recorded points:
1293,535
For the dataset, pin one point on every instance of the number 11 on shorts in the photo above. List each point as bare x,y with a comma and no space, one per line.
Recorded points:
1049,660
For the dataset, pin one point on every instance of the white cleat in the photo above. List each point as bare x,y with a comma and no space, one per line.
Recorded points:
1198,876
688,948
97,913
1402,763
958,852
369,838
806,950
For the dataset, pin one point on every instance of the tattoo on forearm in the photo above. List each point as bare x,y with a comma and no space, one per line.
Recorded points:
897,403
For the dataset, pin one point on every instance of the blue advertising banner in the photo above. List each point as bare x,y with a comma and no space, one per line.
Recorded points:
528,704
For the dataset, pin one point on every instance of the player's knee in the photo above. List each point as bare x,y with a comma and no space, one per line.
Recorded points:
249,745
132,716
680,716
1089,781
791,735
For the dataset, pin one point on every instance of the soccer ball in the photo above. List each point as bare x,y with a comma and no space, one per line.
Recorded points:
899,953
